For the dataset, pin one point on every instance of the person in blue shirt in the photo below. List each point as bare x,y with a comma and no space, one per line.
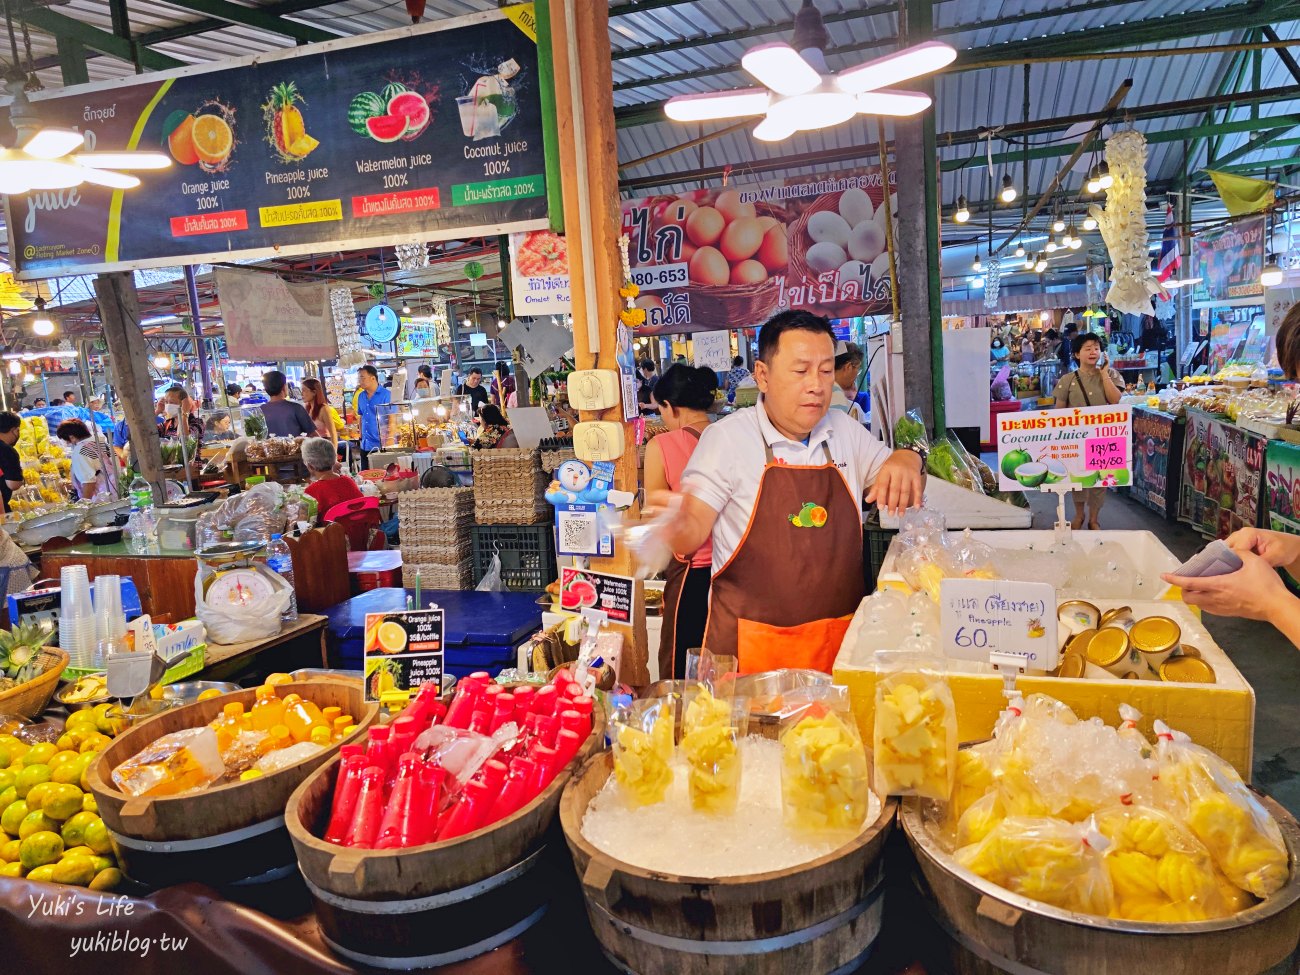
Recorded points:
371,396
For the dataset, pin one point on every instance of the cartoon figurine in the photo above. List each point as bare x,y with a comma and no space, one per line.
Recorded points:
573,484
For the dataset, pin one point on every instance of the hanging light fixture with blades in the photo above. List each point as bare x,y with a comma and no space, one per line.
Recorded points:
54,158
801,94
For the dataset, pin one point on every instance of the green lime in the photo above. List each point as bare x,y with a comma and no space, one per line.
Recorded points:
31,775
96,837
74,830
36,822
13,816
39,849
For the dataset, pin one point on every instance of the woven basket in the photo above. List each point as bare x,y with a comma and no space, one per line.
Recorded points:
30,699
552,459
496,512
507,474
799,274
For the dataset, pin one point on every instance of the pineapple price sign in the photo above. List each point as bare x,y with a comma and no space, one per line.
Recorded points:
403,650
429,132
980,617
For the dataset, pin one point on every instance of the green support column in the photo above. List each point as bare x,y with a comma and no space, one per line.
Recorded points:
72,61
550,128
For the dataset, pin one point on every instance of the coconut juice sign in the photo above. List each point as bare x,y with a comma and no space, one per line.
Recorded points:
430,132
1083,447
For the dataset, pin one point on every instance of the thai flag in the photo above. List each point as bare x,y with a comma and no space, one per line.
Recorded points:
1169,258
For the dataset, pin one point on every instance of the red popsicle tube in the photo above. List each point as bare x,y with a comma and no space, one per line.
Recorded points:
369,812
547,726
544,700
428,803
543,771
583,705
575,721
493,774
468,812
481,721
347,750
398,810
567,744
503,711
511,797
468,694
523,702
345,797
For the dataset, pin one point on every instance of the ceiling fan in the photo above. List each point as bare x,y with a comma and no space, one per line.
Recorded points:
53,158
801,94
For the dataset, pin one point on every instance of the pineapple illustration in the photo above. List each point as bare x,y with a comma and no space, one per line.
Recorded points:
383,677
285,130
1036,629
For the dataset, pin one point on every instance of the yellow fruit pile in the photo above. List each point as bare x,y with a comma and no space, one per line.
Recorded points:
824,773
641,759
52,829
915,736
710,747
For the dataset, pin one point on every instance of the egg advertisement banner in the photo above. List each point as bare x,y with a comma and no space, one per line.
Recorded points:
734,255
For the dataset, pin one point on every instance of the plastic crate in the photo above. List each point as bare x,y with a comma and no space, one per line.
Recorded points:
527,555
875,543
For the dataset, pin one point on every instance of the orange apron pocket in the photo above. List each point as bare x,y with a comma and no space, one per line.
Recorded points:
813,645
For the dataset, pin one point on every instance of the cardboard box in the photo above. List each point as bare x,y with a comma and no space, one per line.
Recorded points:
1219,716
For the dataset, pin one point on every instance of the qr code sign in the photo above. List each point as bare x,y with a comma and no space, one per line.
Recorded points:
577,533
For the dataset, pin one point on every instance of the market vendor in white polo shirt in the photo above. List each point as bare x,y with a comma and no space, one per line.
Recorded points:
779,488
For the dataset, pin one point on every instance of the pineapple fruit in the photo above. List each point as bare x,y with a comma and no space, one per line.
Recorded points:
285,129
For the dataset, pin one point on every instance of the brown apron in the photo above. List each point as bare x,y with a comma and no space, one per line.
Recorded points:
674,582
788,592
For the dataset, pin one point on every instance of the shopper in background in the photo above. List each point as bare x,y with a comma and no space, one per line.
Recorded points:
370,396
11,465
1066,349
1256,590
423,388
737,376
327,487
684,396
93,469
1094,383
70,398
473,388
217,427
1027,347
323,416
645,391
176,404
502,392
998,350
38,403
284,418
848,364
494,431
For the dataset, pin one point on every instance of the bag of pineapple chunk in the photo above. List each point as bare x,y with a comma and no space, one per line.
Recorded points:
824,770
713,722
914,738
644,740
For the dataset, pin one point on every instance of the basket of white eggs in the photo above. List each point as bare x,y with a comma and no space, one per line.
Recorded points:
841,234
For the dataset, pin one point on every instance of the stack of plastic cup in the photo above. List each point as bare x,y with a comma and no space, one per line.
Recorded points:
110,621
76,616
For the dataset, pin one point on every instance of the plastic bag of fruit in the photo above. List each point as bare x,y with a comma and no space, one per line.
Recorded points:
914,738
713,722
824,769
644,735
1207,793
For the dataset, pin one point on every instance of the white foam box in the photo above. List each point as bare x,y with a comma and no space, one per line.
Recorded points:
1149,556
1219,716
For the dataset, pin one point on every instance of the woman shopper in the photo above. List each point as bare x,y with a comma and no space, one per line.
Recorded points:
327,487
1094,383
684,396
326,419
93,471
494,431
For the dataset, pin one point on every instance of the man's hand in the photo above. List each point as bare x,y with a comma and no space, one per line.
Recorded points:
1279,550
900,484
1253,592
690,527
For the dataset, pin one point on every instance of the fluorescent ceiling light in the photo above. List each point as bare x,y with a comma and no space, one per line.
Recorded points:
53,143
122,160
814,110
106,177
772,131
899,66
893,102
781,68
717,105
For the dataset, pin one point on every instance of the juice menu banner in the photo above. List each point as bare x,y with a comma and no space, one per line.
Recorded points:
1228,260
733,256
424,133
1088,446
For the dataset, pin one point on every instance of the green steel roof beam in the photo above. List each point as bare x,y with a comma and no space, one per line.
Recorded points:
262,19
60,26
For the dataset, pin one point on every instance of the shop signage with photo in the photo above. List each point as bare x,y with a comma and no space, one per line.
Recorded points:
1223,466
732,255
539,273
403,650
429,132
980,617
1282,486
267,318
582,589
1157,459
1086,446
1228,260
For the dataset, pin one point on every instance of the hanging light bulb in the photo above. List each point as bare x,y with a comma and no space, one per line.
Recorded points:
1075,243
161,361
1020,250
978,265
1093,185
15,367
1271,276
1090,222
1104,179
41,325
1008,193
1050,247
963,211
406,308
1041,266
1058,224
1030,261
1068,237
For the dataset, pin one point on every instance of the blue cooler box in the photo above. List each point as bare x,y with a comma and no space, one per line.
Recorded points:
483,628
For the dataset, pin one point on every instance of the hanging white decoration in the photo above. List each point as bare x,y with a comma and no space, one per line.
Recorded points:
441,323
1123,225
345,327
992,282
412,257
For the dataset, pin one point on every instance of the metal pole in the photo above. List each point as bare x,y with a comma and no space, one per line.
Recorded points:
205,379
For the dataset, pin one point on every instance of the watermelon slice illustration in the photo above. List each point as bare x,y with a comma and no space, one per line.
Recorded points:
414,109
386,128
579,595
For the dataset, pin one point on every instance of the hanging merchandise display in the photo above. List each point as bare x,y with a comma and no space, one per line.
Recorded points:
992,282
345,326
1123,225
412,257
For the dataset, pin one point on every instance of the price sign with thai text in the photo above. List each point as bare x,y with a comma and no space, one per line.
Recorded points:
979,617
1078,448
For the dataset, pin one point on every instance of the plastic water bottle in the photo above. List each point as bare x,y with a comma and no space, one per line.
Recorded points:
141,494
280,561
